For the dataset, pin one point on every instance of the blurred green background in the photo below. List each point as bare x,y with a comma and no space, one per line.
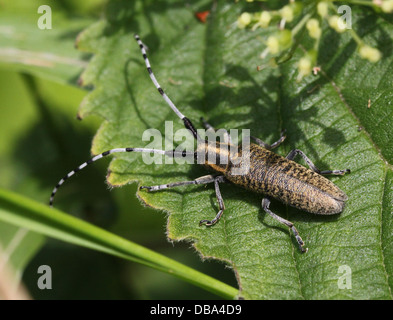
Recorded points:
41,140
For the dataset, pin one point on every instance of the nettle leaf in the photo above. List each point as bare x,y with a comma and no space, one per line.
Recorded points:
210,70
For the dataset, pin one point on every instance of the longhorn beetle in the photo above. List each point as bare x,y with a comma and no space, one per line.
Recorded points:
266,172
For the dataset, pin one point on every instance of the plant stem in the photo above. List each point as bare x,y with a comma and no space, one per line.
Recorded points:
355,36
300,24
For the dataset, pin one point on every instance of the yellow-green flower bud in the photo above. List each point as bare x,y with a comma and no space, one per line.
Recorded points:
323,9
286,13
334,22
369,53
304,67
387,6
279,42
265,19
313,28
244,20
273,45
285,39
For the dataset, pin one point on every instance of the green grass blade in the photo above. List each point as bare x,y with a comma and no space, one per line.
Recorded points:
24,212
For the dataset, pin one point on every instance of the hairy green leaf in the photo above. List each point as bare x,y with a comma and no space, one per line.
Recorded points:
210,70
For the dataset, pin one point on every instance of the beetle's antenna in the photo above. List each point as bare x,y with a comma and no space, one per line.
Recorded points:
187,122
170,153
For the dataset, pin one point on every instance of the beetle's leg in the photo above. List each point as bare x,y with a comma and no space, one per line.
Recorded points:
220,201
208,126
296,152
265,206
273,145
201,180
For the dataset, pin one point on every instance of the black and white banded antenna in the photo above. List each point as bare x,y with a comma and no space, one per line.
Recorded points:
187,122
170,153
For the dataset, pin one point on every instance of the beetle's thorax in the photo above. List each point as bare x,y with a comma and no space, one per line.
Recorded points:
219,156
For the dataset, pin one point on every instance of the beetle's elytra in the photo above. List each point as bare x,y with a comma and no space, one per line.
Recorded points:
265,172
289,182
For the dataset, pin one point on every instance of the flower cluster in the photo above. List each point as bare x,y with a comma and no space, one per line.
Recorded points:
309,16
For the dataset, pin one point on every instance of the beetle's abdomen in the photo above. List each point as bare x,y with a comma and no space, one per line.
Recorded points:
288,181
